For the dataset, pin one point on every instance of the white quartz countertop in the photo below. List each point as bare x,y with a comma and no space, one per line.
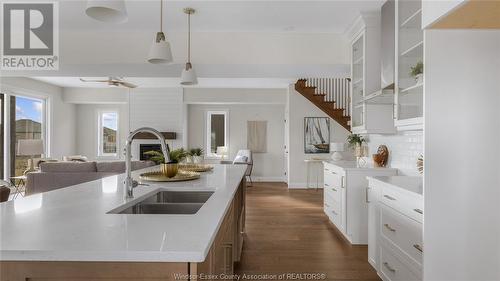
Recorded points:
409,183
72,224
352,165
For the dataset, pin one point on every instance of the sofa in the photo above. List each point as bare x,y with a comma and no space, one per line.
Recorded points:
57,175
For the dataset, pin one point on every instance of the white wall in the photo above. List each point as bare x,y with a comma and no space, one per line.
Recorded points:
234,96
162,109
267,166
61,121
87,129
462,182
95,95
299,107
404,150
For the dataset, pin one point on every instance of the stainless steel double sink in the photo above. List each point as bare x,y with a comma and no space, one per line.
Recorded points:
168,202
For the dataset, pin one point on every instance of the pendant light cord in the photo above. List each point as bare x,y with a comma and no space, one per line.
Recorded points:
161,15
189,38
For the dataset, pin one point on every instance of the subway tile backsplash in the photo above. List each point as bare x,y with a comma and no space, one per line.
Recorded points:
404,150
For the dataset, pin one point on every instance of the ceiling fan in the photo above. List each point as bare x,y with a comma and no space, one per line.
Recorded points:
113,82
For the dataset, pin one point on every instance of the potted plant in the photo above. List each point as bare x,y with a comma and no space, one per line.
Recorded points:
171,168
356,142
196,155
417,72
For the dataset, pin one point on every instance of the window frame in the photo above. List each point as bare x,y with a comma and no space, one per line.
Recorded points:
208,131
100,142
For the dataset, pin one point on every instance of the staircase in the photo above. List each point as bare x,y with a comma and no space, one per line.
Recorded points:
331,95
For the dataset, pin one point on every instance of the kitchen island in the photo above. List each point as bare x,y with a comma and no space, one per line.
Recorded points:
69,234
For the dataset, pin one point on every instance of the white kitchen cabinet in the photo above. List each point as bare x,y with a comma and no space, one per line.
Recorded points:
346,197
371,112
395,236
409,50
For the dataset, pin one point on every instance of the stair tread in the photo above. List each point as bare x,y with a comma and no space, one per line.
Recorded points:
326,106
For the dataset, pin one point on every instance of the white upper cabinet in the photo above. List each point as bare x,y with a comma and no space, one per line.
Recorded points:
409,61
372,108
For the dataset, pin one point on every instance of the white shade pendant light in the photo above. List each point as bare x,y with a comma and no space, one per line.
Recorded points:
188,76
160,50
113,11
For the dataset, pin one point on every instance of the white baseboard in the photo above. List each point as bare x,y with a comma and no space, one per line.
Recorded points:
268,179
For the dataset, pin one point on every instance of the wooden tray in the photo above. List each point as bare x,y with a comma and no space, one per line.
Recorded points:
160,177
195,167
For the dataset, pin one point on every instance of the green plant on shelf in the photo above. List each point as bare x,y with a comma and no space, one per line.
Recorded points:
417,69
176,156
355,140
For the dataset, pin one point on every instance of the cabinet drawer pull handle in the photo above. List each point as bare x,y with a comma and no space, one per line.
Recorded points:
386,264
389,197
326,169
335,213
389,227
366,195
418,247
327,184
334,189
418,211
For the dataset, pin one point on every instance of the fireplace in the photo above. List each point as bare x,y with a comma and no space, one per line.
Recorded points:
147,147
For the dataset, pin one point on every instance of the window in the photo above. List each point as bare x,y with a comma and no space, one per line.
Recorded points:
217,132
27,122
108,134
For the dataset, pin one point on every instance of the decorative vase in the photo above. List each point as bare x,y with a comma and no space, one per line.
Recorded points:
336,156
188,159
170,169
197,159
358,150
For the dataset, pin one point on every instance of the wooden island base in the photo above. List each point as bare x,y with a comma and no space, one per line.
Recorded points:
224,252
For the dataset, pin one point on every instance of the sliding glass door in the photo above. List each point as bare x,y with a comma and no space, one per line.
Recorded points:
27,117
2,135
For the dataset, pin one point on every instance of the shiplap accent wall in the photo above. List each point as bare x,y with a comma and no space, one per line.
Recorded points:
162,109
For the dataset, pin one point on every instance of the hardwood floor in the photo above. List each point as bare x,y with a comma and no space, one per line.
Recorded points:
287,231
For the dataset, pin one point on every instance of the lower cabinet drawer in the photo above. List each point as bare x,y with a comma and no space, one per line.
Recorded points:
408,205
402,231
393,269
333,213
336,218
334,192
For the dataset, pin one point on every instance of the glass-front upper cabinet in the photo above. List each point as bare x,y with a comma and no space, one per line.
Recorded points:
357,69
409,65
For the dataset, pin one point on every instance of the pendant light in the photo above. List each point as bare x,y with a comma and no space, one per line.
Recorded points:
188,76
160,50
113,11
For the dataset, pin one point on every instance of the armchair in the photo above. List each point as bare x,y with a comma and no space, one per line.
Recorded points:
244,156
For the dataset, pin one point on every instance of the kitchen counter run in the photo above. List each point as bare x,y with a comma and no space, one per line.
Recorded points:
72,224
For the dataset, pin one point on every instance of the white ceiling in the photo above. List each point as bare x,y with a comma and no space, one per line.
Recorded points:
225,16
233,60
150,82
